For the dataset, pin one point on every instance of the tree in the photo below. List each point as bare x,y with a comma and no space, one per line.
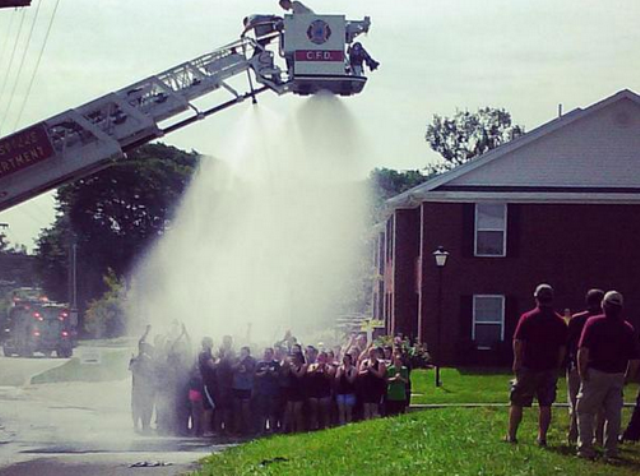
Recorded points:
52,258
467,135
7,247
106,317
112,216
388,182
4,243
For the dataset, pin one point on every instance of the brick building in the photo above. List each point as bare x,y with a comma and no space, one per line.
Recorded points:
560,204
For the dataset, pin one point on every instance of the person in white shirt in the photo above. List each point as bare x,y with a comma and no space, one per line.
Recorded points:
295,7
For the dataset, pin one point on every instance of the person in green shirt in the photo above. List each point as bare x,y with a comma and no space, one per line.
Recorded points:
397,379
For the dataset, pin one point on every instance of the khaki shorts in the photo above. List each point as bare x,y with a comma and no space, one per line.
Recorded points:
530,384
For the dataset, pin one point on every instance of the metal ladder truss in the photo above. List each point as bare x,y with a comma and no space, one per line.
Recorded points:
133,113
88,138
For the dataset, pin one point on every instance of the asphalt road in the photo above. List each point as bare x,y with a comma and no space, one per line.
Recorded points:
79,428
17,372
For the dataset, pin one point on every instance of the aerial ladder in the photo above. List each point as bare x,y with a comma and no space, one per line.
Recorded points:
300,53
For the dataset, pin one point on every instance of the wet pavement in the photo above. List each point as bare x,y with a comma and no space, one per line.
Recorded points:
80,428
100,465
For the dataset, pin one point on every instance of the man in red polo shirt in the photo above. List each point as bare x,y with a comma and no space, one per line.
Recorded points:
607,358
539,346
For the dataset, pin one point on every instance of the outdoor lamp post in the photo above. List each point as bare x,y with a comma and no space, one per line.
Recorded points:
441,255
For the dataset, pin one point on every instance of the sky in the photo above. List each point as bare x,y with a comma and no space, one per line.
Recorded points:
436,57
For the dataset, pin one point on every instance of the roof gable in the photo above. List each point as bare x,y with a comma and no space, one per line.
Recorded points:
596,148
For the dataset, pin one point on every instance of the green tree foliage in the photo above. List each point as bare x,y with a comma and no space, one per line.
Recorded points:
52,258
7,247
4,243
388,182
467,135
112,216
106,317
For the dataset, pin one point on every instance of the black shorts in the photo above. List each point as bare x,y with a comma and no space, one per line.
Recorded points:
530,383
320,395
295,394
222,398
207,398
241,394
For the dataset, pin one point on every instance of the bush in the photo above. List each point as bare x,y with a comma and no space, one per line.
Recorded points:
106,317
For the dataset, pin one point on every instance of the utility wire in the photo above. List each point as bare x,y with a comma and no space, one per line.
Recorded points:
21,66
5,45
13,54
35,70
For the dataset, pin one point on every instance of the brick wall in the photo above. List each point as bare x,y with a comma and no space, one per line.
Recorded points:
405,285
572,247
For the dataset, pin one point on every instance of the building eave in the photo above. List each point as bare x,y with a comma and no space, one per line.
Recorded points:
533,197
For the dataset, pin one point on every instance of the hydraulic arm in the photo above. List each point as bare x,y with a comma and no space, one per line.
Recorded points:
83,140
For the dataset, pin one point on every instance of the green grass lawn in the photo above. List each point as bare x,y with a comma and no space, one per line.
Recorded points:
451,441
448,441
476,386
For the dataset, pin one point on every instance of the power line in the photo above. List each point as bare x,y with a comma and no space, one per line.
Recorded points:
21,66
13,54
35,70
5,45
15,47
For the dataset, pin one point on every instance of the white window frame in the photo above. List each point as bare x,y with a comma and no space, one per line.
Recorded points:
493,323
503,230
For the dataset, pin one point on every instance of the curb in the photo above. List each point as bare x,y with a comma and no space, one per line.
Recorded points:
435,406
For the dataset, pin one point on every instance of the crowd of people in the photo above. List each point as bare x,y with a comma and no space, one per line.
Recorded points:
290,388
601,353
293,388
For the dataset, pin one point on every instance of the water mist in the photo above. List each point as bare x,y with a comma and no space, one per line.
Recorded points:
269,237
